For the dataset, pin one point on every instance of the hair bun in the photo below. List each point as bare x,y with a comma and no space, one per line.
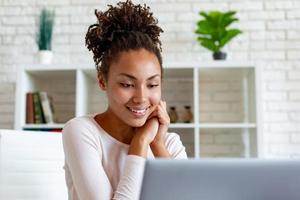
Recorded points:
121,20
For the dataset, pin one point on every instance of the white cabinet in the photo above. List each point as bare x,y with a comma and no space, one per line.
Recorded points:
224,98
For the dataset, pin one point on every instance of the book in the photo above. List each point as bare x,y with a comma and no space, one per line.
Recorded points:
38,111
52,108
47,108
29,108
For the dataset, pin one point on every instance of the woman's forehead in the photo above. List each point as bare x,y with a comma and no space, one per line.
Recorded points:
138,63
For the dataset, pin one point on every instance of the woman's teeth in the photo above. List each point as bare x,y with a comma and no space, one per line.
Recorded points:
138,111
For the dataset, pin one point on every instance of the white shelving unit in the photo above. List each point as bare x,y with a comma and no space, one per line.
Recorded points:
224,97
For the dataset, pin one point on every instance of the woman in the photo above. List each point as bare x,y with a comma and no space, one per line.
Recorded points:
105,153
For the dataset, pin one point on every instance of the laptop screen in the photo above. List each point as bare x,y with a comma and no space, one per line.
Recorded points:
221,179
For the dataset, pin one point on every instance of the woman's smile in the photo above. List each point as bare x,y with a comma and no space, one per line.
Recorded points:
138,112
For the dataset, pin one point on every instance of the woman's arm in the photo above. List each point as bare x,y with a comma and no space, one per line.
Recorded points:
160,150
143,137
83,158
175,146
130,183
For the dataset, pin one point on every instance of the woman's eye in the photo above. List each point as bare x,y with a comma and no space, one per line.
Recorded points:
153,85
126,85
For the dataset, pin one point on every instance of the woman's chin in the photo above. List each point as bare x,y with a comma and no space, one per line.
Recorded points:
137,123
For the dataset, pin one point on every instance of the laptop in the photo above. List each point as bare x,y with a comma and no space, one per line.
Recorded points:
221,179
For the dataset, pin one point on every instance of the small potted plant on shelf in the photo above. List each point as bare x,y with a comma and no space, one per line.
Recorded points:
44,36
213,32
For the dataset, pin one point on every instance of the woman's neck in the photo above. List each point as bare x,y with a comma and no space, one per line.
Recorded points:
115,127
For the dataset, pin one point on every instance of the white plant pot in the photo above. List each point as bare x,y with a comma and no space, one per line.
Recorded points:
45,56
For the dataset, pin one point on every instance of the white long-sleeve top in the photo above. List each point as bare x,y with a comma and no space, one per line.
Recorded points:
97,166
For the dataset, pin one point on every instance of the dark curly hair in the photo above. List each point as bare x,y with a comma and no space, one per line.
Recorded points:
122,28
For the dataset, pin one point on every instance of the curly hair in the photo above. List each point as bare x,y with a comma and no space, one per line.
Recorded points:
122,28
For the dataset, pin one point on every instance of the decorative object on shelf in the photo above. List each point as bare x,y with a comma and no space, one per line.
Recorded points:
173,114
213,32
44,36
187,116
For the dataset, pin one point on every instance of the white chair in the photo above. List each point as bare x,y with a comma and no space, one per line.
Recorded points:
31,166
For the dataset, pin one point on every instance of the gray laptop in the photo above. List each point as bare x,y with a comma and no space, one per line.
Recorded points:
229,179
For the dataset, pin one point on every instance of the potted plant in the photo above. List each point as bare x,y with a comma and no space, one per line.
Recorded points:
44,36
213,32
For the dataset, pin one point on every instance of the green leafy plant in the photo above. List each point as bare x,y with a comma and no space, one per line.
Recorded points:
213,32
44,35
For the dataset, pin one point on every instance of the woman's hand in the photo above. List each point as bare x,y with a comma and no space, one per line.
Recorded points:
158,146
152,133
148,131
164,121
143,137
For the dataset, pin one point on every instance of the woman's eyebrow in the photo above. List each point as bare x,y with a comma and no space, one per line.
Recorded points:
134,78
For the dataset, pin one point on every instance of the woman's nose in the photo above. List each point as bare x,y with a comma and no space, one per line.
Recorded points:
140,95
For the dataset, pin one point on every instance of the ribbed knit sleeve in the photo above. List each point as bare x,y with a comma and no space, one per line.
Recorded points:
131,179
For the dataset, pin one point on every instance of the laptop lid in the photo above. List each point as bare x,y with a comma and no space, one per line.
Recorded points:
225,179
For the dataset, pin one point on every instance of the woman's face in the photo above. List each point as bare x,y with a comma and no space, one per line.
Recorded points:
133,86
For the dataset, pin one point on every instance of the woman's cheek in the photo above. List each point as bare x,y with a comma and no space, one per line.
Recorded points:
155,98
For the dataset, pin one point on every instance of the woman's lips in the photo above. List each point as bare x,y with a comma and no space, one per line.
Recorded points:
138,112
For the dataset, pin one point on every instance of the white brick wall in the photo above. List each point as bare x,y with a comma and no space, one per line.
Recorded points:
271,39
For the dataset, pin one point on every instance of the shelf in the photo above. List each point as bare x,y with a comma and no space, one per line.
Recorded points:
227,95
43,126
181,125
167,65
224,97
227,125
57,67
211,64
172,125
60,85
228,142
213,125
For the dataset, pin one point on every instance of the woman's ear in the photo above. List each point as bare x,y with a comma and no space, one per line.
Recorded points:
102,81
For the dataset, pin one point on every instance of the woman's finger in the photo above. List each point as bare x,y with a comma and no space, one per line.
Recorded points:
163,116
165,105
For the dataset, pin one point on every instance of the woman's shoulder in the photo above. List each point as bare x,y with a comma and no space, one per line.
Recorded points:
81,134
83,125
82,121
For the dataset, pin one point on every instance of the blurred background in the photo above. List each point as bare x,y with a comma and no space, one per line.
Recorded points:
270,41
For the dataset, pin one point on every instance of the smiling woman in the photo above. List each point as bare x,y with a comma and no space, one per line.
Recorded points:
105,153
133,87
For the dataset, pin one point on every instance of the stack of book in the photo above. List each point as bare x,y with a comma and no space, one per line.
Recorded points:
39,109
